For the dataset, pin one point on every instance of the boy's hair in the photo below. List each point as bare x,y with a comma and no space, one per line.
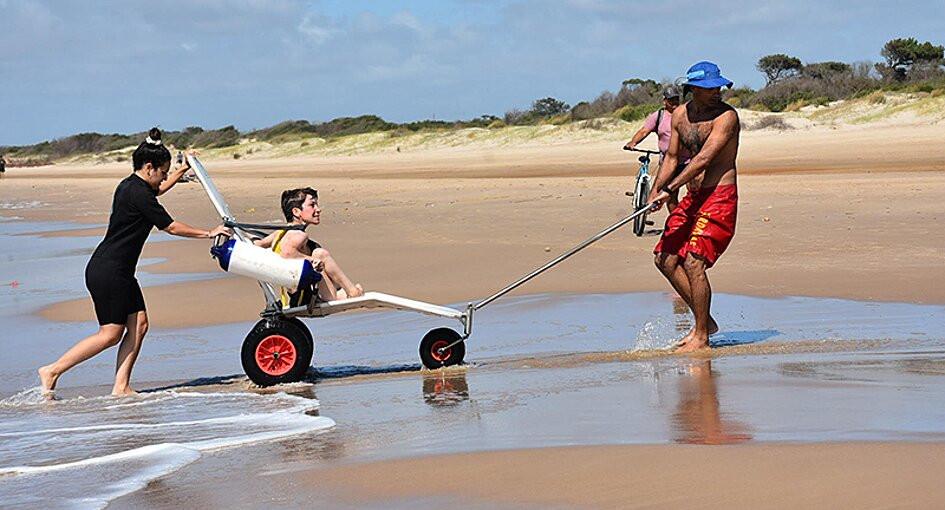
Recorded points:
292,198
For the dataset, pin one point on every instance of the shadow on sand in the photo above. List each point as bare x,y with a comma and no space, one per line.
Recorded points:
314,375
732,338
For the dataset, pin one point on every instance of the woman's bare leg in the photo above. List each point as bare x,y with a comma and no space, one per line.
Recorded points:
334,272
135,329
107,336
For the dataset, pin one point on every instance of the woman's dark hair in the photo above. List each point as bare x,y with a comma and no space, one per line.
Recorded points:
151,151
292,198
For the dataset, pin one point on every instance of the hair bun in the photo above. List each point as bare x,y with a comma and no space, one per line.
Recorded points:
154,136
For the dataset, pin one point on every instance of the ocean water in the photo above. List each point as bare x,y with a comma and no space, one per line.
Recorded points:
87,448
83,452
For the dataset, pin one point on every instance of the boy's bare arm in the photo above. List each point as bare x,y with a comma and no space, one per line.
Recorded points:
265,242
292,246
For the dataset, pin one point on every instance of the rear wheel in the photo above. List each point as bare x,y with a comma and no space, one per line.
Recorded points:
437,339
295,321
277,351
639,200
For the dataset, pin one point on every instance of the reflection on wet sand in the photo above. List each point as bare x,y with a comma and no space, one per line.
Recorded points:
682,316
698,419
442,388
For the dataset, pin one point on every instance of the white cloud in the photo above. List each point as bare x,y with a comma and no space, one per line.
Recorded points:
313,31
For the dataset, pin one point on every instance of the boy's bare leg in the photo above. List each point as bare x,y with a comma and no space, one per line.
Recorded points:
334,272
326,288
701,296
106,336
135,329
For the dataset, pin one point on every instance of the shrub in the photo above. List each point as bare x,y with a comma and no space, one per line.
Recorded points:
634,113
770,122
582,111
516,117
738,97
595,124
795,105
353,125
824,70
877,97
284,131
217,138
549,107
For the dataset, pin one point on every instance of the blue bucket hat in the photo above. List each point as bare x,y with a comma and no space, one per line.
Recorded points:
706,75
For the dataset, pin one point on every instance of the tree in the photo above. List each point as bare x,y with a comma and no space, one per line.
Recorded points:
582,111
902,54
823,70
549,107
778,67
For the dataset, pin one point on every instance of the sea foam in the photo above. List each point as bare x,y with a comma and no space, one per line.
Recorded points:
85,452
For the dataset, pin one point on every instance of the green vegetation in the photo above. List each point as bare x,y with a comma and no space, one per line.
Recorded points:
909,66
778,67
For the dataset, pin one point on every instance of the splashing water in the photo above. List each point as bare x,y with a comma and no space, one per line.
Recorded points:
655,334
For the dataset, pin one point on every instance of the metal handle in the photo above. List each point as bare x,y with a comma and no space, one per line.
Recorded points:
562,257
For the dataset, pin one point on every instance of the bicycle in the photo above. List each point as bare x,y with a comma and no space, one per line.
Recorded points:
641,190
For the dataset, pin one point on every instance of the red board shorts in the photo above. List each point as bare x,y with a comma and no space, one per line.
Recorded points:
702,224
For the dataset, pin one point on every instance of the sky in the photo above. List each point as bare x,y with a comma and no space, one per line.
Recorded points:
126,65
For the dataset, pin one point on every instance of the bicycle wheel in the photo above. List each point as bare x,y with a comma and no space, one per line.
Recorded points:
639,200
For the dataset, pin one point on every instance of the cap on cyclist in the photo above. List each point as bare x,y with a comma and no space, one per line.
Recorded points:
659,121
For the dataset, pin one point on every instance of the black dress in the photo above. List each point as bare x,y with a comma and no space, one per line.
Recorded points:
110,273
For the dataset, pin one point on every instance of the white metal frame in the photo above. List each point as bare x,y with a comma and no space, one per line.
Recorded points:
378,299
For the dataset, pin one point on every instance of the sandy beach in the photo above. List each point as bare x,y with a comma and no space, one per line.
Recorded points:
822,213
826,399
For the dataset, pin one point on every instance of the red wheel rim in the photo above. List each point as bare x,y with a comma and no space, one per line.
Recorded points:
435,351
275,355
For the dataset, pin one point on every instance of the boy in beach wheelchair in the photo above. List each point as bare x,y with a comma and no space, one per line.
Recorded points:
300,208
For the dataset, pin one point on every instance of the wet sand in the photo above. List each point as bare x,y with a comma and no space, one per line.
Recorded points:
856,429
761,476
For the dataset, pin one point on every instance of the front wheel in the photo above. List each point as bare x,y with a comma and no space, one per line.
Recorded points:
640,193
276,352
437,339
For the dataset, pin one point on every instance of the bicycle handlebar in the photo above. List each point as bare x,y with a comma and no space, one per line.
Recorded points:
642,150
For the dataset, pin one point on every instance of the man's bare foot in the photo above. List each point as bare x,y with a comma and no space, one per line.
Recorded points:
124,392
693,343
48,378
681,342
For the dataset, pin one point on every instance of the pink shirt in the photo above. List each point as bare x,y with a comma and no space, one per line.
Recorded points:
663,132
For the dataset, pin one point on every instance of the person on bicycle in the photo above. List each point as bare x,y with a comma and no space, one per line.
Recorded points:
660,122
